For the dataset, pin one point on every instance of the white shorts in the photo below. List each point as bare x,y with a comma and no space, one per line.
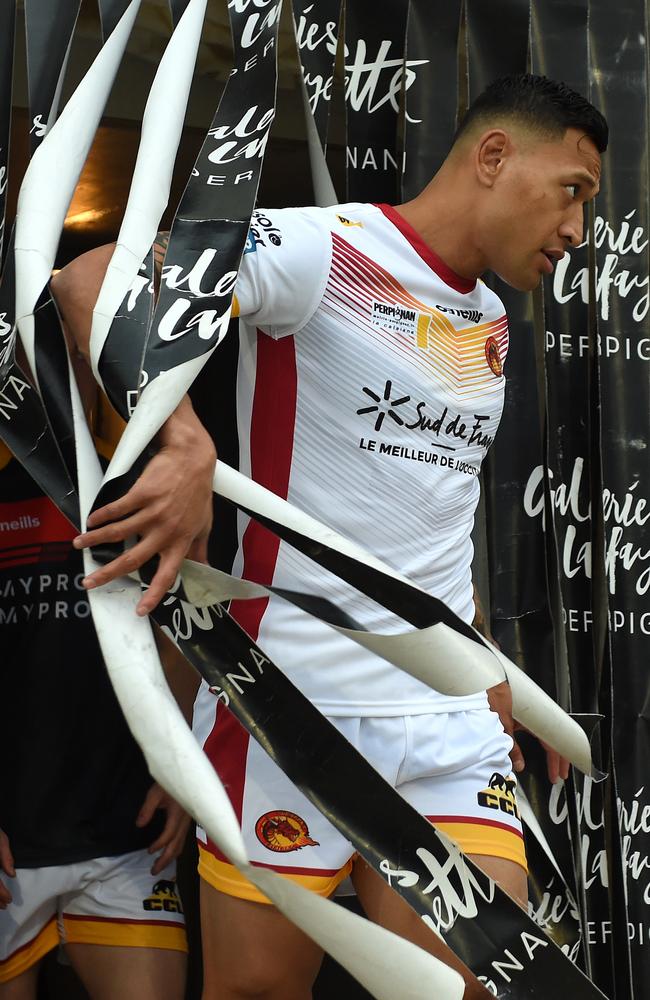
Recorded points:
108,901
454,768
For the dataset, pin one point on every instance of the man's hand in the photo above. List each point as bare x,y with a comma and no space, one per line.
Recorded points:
171,840
500,699
7,866
169,508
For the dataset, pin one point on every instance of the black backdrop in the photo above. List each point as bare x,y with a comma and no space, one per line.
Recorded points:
566,485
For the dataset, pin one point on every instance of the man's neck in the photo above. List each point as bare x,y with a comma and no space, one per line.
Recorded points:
444,220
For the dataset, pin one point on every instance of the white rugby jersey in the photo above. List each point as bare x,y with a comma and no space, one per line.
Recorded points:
370,387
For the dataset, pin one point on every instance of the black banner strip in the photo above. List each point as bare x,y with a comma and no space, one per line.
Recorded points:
494,53
317,33
431,103
483,926
24,424
209,231
7,33
530,942
49,25
618,49
559,49
375,75
177,8
110,12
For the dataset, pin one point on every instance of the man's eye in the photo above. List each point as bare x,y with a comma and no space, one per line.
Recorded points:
572,189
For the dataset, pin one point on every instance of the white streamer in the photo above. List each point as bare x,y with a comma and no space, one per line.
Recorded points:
386,965
52,175
162,126
440,657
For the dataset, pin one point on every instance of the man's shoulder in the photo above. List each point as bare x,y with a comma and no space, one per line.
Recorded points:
349,215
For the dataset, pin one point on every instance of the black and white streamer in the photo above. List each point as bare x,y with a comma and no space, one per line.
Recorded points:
7,30
317,35
498,940
110,12
49,25
431,100
197,786
375,77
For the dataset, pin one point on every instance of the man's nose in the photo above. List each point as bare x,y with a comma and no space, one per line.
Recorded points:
572,229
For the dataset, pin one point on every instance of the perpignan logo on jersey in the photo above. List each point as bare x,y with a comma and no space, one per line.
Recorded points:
395,317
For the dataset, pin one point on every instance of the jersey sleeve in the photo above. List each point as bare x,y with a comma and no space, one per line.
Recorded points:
284,270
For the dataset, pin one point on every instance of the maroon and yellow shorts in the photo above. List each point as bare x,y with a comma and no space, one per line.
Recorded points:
452,767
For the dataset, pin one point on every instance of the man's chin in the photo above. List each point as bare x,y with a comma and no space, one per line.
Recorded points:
522,282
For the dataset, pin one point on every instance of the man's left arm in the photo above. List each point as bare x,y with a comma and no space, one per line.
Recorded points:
500,700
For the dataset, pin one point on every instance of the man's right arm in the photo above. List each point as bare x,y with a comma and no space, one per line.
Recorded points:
170,506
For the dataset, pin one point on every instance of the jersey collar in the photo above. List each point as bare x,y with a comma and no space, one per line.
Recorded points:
455,281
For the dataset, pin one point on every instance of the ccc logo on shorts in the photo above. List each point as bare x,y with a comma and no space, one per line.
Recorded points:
500,794
283,831
164,898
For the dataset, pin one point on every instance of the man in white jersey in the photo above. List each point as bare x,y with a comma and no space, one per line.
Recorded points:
370,387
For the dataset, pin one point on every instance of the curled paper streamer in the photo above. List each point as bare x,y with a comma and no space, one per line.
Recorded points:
386,965
441,655
42,204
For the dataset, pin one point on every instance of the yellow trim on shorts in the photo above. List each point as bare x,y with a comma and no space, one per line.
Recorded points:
481,838
28,955
124,933
227,879
234,312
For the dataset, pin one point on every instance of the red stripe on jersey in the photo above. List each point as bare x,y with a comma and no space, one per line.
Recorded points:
271,446
227,749
451,278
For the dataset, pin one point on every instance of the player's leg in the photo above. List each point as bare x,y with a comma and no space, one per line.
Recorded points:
455,771
124,930
109,972
28,930
21,987
249,948
252,950
385,907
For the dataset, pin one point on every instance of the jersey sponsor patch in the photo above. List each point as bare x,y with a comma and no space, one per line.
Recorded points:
349,222
283,831
397,318
473,315
263,230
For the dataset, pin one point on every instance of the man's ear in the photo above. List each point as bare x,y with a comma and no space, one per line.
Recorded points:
491,151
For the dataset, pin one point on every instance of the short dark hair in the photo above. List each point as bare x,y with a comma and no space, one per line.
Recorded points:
543,105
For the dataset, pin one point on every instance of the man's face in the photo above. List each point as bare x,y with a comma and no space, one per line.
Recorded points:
537,211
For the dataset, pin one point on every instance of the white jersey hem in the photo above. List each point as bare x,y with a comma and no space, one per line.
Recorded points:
377,710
